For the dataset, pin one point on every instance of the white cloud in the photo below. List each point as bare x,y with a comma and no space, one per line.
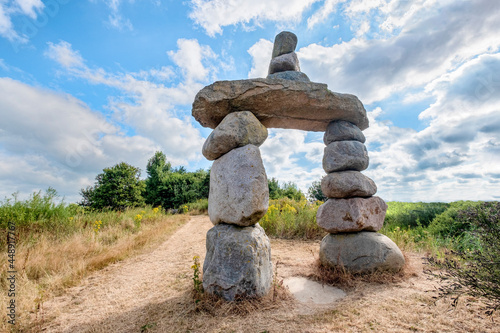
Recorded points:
322,14
261,57
213,15
284,154
152,108
64,54
426,48
457,156
191,59
115,19
30,7
52,139
6,24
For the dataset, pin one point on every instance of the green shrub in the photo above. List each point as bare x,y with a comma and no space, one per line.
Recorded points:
474,272
115,188
410,214
447,225
287,218
38,211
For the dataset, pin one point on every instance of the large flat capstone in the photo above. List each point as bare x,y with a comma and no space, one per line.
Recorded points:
278,103
238,262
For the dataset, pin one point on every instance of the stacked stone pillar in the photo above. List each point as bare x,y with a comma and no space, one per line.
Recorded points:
352,215
238,260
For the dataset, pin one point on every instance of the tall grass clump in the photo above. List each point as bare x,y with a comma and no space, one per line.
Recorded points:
287,218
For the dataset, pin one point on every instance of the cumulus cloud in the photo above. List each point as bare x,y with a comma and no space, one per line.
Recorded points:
261,57
153,111
285,152
192,58
8,9
323,13
30,7
53,139
460,149
374,69
213,15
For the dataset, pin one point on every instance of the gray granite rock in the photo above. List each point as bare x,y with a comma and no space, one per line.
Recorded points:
363,252
341,130
345,155
284,62
239,192
347,184
290,75
238,262
284,42
351,215
291,104
237,129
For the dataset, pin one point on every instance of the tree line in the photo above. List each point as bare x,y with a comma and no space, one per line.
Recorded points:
120,186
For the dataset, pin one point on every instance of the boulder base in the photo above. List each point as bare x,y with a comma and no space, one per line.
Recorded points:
238,262
363,252
307,106
239,192
351,215
238,129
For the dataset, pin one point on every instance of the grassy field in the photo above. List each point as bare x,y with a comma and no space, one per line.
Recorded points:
58,244
429,227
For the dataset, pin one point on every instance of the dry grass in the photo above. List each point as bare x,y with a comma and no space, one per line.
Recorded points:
214,306
48,265
344,279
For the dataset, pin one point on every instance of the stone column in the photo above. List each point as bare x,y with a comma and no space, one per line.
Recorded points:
238,259
352,215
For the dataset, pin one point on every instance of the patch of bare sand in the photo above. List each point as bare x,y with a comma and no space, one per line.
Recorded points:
152,293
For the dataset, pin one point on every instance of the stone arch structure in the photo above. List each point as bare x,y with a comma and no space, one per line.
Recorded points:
238,260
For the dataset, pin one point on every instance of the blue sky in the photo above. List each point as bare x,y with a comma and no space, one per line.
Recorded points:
87,84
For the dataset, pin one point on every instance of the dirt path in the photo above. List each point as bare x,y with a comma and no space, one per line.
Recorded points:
151,293
130,284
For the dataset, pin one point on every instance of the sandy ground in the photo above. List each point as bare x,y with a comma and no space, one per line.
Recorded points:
151,293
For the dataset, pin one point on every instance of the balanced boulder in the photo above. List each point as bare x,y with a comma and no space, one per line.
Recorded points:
347,184
345,155
237,129
351,215
239,192
341,130
284,42
238,262
363,252
284,62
